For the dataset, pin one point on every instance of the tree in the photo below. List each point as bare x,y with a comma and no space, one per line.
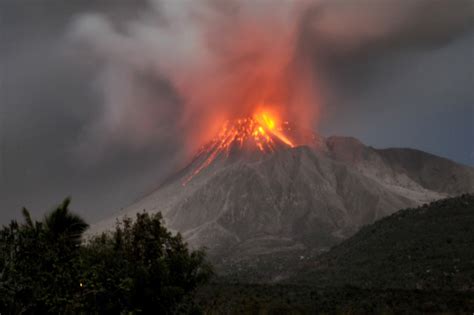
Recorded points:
38,262
63,226
141,267
138,267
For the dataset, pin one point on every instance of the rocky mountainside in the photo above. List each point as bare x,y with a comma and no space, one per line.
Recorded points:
403,168
295,199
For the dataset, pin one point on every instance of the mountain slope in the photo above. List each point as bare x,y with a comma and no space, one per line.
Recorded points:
404,168
429,248
290,200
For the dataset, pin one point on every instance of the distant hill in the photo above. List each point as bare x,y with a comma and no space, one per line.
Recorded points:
427,248
416,261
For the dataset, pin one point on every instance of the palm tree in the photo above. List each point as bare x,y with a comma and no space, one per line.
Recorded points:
61,224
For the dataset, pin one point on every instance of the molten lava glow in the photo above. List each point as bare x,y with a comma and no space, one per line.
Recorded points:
268,122
262,131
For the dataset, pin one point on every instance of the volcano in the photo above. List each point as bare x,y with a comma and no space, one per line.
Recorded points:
250,139
262,188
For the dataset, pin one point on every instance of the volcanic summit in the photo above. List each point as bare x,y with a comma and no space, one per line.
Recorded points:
261,187
249,138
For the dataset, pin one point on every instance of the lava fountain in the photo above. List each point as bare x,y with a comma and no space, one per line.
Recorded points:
264,131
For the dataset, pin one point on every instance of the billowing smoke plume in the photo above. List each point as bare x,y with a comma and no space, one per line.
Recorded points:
180,68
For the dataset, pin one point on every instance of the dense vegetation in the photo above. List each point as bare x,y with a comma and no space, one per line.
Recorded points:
416,261
140,267
428,248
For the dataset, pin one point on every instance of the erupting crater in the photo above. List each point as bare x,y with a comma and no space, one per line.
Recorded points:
262,132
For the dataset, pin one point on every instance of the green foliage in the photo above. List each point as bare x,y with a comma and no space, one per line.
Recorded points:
138,267
63,226
38,262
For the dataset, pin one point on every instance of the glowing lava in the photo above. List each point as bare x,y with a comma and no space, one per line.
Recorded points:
263,132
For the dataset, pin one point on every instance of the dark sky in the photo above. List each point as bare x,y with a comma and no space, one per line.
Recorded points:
416,94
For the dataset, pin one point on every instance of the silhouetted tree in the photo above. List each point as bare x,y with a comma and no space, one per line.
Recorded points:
63,226
139,267
39,260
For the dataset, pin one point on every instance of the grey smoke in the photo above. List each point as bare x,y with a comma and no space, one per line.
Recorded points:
83,116
184,43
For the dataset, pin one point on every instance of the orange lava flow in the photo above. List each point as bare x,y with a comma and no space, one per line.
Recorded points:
263,131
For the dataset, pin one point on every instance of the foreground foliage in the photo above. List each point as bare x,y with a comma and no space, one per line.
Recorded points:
416,261
139,267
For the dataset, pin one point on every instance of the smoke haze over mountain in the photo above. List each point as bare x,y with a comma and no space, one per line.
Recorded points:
223,59
98,100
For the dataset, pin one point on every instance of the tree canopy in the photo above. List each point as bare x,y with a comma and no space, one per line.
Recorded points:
139,267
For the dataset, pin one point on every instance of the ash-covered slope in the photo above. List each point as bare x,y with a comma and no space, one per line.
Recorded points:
296,199
403,167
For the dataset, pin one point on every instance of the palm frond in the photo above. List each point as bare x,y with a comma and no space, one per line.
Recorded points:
27,217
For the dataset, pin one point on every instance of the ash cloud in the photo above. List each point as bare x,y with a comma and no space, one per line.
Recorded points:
89,110
349,27
219,61
182,67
